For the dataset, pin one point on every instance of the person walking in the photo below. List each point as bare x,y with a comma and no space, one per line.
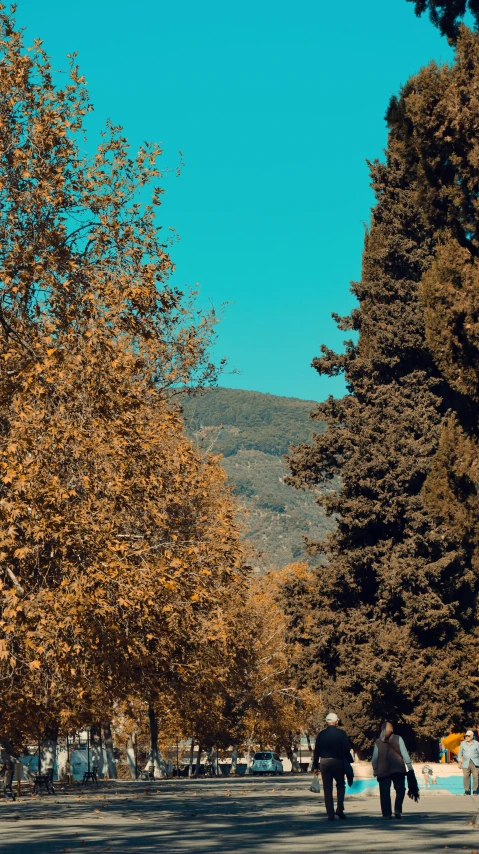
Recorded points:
390,761
7,770
331,749
468,758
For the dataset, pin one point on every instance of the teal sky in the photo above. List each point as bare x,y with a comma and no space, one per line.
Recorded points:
275,106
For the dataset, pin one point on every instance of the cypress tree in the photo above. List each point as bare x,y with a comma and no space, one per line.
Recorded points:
447,14
389,624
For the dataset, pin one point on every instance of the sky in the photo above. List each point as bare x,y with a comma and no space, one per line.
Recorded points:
276,106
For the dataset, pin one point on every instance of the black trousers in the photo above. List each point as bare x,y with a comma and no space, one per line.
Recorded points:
398,780
332,769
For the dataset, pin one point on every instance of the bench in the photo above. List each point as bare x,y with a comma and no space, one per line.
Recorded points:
43,782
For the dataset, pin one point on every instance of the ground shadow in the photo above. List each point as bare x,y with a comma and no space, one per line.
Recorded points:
217,816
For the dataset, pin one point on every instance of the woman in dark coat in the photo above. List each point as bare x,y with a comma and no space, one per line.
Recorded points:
391,761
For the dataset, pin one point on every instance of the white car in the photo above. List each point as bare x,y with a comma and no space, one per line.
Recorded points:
266,762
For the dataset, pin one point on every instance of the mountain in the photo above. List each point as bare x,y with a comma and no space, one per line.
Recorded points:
253,431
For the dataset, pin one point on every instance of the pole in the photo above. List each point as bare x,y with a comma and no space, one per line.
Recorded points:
68,762
101,769
19,778
136,754
88,748
39,759
177,759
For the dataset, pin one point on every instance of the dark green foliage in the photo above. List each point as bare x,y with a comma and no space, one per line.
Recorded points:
390,623
253,431
249,420
447,14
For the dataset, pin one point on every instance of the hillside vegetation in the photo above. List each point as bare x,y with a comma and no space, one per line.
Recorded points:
253,431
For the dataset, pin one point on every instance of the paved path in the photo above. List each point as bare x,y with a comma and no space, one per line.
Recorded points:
265,816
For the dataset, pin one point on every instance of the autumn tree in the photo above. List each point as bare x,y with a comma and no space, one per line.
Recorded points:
389,622
117,539
273,709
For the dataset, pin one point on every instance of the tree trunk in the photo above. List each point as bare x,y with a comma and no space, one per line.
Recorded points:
198,760
62,762
130,755
293,758
109,764
48,749
234,760
96,749
212,761
192,750
156,763
294,761
248,755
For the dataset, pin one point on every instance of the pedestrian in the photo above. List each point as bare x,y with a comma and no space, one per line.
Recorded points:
390,761
331,750
468,758
7,770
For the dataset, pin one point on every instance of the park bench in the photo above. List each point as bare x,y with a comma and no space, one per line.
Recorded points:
43,782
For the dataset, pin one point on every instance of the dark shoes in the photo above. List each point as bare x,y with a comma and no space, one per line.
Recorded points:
397,815
330,817
387,817
340,814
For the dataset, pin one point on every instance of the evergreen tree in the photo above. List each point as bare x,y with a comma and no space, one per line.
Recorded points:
390,623
447,14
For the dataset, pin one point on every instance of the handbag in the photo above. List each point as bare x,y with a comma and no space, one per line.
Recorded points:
315,785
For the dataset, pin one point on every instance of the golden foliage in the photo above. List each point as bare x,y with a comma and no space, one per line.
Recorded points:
117,541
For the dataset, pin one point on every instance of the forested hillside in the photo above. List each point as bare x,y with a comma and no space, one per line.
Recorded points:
253,431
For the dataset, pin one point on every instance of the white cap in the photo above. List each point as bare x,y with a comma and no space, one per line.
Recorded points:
468,731
332,718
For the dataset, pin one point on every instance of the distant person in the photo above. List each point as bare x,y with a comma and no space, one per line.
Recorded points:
6,771
390,762
332,748
468,758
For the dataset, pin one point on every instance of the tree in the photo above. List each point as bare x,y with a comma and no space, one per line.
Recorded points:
447,14
386,625
274,709
117,538
74,232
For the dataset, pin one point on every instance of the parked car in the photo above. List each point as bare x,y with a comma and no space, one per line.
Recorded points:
266,762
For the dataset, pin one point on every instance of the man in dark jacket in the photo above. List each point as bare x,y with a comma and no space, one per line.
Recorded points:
331,749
